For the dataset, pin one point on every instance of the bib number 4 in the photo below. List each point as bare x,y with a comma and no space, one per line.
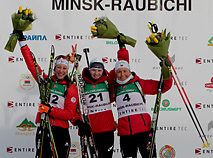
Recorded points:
126,97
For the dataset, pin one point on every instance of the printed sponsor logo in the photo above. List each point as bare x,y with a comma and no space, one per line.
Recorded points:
124,5
114,60
203,151
35,37
171,128
26,128
12,104
203,106
176,68
209,85
166,104
105,59
27,82
13,150
179,38
60,37
198,106
209,128
10,149
167,151
203,61
198,61
210,42
111,42
75,151
11,59
198,151
210,125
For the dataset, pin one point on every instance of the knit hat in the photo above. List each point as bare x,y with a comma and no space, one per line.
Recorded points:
61,59
96,63
121,64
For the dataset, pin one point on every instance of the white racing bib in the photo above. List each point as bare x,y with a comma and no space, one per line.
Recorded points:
97,97
129,101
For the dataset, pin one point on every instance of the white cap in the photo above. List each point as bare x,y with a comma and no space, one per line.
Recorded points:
121,64
61,61
96,60
96,63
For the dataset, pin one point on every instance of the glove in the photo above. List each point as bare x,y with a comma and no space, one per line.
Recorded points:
121,44
20,35
165,66
84,128
45,108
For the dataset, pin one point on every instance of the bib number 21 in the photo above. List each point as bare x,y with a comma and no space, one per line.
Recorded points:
94,97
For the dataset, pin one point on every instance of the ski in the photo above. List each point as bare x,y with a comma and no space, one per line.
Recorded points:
44,88
87,141
151,138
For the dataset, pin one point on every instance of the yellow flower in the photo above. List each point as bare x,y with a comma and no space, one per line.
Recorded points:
155,40
148,39
20,9
162,34
26,12
153,35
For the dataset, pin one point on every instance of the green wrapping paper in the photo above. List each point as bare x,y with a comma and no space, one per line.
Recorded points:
158,43
104,28
21,22
160,49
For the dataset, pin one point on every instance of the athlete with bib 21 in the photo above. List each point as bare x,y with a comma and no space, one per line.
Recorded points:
99,107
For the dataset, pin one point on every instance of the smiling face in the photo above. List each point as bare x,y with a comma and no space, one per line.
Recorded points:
122,74
61,71
96,73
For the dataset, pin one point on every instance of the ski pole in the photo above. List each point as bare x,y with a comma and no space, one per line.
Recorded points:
184,92
86,51
151,139
86,140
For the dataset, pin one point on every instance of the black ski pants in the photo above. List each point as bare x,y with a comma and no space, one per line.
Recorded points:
104,143
130,144
62,141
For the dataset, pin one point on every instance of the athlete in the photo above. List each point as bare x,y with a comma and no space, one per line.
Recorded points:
134,121
99,108
62,103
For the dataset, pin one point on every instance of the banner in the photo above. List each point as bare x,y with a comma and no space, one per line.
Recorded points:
64,23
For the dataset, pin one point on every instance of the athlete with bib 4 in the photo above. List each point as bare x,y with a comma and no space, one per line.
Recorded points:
134,121
99,107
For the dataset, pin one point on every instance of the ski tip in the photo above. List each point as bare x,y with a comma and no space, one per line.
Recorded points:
204,145
208,144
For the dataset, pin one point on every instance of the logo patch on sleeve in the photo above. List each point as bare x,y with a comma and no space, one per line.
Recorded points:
73,99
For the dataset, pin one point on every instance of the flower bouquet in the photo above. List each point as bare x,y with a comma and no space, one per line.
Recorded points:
22,21
158,42
104,28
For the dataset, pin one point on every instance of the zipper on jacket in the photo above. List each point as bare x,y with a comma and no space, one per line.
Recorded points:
143,119
130,129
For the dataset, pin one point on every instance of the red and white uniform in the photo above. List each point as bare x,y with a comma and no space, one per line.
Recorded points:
100,112
66,107
136,122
